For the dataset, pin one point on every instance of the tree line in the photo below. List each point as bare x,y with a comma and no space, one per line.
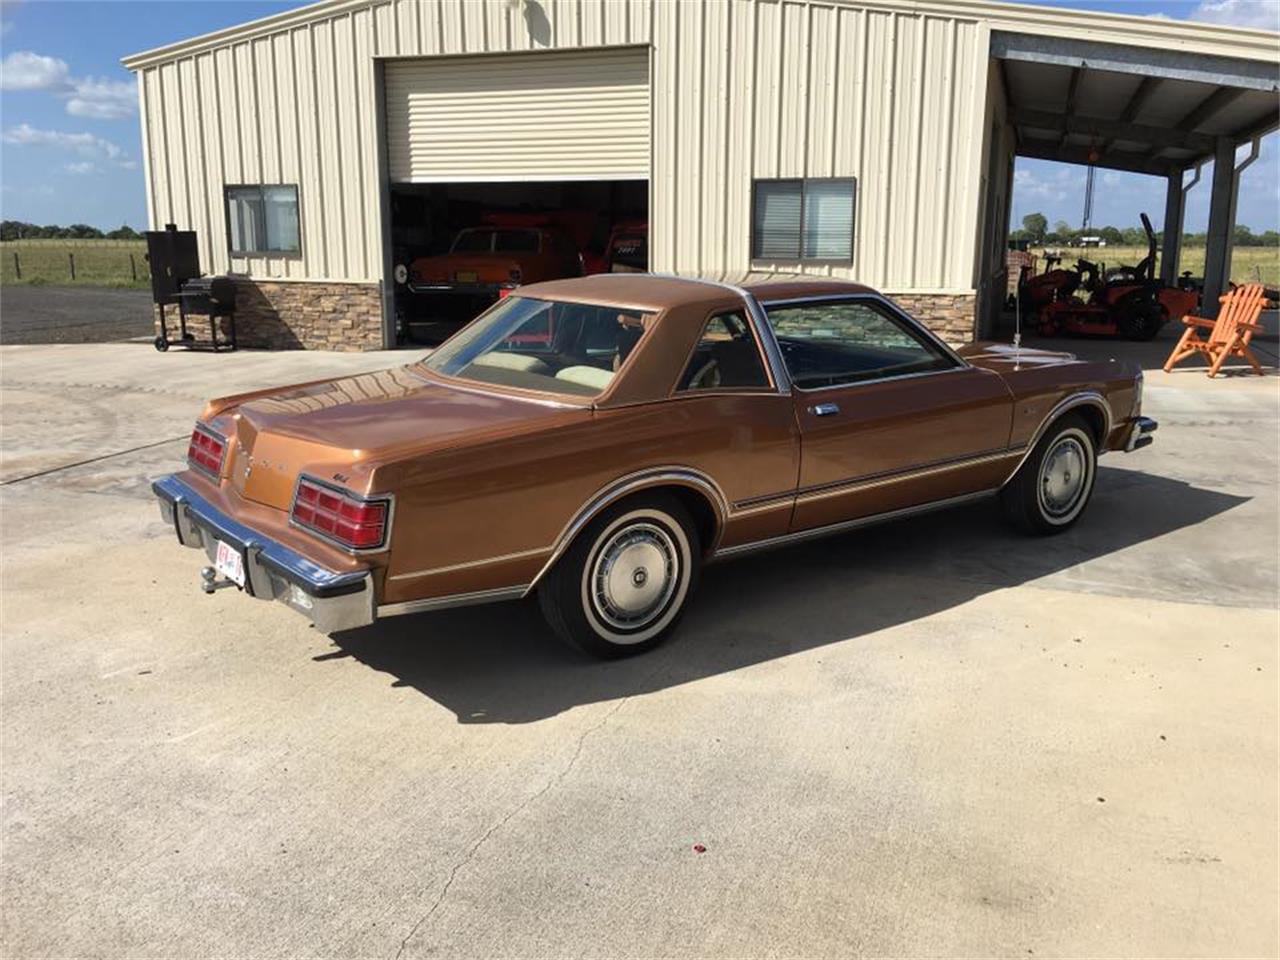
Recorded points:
17,230
1035,232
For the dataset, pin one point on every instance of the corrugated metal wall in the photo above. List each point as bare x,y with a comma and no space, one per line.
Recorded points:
746,90
740,89
580,115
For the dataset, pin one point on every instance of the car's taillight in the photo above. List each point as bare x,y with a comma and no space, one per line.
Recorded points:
350,520
205,451
515,274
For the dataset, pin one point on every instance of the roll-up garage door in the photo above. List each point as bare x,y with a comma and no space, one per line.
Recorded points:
541,116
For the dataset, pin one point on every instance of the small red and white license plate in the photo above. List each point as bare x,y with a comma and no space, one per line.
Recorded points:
229,563
466,276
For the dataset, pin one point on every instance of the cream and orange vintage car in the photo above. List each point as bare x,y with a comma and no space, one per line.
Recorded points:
595,441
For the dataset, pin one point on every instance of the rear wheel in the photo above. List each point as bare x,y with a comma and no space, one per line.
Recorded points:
1051,489
622,585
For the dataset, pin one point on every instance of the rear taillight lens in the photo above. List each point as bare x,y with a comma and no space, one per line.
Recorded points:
515,274
205,451
343,517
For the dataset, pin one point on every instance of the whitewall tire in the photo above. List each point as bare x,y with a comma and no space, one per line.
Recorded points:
624,582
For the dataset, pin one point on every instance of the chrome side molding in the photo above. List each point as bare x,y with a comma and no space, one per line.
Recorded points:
800,536
453,600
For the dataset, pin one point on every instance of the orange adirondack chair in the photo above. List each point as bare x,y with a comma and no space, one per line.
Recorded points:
1229,335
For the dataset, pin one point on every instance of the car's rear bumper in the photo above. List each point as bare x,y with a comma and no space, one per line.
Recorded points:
332,600
1140,434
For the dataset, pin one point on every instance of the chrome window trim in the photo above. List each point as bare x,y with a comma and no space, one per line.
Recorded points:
809,391
889,305
1078,399
388,498
769,388
222,458
633,483
757,318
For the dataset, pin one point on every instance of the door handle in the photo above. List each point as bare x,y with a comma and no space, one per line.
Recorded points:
824,409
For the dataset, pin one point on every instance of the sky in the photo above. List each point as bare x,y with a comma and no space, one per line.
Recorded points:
70,141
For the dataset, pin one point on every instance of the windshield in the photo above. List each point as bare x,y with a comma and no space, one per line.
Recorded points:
496,241
567,348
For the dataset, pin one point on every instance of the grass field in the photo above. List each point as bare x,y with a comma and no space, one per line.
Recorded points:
1248,264
105,263
98,263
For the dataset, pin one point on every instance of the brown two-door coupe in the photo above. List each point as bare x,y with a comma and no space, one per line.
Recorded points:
596,440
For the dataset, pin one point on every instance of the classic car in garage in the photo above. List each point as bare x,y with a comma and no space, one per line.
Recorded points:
595,441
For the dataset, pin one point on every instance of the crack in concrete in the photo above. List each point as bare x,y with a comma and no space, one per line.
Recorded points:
524,804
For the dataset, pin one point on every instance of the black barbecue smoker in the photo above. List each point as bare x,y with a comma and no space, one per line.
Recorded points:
176,280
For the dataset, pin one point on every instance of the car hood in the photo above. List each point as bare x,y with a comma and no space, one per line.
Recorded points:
1006,358
341,426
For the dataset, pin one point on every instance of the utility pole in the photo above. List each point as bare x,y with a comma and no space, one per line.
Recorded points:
1088,198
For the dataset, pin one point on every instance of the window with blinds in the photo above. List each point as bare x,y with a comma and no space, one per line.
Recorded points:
803,220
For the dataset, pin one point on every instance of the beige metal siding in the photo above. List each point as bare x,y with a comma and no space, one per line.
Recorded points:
891,92
537,116
746,90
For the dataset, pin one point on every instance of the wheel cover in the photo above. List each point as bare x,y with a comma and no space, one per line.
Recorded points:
1063,477
634,576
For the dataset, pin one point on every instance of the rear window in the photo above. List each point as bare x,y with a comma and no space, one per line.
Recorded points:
574,349
496,241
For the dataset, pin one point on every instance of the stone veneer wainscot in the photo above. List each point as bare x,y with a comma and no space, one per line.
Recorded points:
300,315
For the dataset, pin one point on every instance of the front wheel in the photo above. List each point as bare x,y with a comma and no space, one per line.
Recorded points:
622,585
1051,489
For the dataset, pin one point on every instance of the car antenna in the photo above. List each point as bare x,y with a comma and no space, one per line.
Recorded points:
1017,322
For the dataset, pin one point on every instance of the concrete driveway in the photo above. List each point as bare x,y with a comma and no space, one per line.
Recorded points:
934,738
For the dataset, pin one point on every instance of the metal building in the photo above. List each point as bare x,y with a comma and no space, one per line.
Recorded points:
294,144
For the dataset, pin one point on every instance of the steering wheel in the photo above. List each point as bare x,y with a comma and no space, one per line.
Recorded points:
707,378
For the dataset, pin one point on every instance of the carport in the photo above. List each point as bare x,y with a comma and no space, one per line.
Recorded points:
1144,110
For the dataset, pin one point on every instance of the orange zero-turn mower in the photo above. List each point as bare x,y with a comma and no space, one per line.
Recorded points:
1128,302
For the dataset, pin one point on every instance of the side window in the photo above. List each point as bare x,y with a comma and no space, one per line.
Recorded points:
725,358
826,344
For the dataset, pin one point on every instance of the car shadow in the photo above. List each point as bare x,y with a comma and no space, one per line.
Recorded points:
501,664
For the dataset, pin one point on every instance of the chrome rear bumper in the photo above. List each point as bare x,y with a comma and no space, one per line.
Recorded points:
1140,433
331,600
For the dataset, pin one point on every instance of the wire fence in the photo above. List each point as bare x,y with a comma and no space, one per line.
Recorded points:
96,263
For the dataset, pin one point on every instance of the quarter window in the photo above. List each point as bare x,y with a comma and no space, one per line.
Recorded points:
263,220
847,341
796,220
726,357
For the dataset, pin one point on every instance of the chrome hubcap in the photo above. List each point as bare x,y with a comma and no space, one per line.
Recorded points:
1062,477
634,575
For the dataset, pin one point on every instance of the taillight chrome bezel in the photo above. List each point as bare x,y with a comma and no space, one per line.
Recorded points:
222,454
346,493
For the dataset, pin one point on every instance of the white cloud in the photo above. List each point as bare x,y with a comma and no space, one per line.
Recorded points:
95,98
24,70
85,144
103,99
1258,14
82,167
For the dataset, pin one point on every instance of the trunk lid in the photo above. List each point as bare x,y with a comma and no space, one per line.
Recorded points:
329,429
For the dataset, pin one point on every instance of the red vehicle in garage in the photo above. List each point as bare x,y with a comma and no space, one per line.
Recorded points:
490,261
1127,302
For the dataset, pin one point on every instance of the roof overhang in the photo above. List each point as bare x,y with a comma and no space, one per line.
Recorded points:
1134,108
